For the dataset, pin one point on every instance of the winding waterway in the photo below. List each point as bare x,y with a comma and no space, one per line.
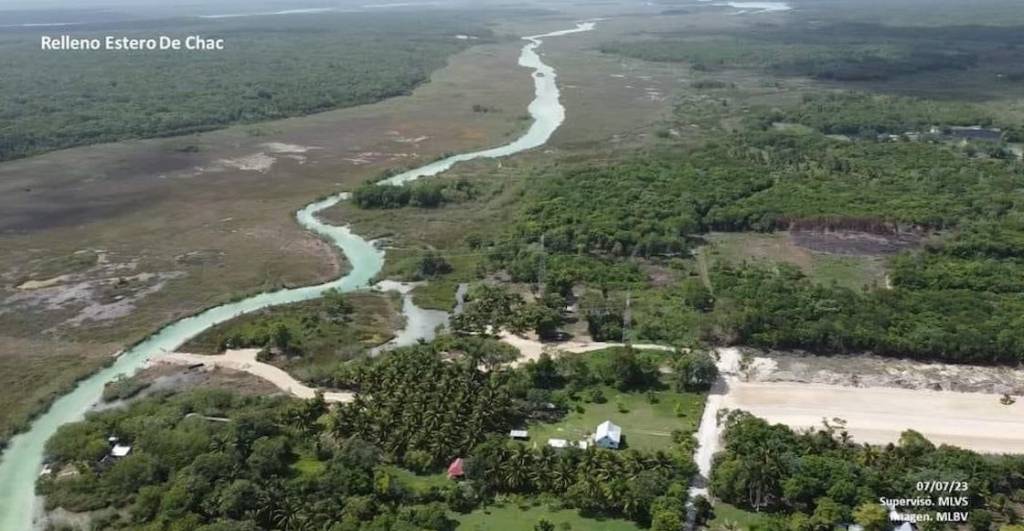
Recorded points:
23,459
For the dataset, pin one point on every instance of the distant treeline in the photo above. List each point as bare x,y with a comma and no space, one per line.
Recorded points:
293,66
841,52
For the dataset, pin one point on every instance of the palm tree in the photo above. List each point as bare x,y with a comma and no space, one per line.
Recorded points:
516,468
544,463
562,476
633,463
868,455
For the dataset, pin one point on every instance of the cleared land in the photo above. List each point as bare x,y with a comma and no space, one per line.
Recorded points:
826,258
975,421
245,361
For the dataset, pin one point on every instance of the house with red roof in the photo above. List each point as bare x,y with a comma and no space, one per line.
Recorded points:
455,469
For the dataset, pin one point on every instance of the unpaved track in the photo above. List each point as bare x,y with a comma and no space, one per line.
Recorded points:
245,360
530,348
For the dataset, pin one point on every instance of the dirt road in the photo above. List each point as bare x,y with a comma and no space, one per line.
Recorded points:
245,360
530,348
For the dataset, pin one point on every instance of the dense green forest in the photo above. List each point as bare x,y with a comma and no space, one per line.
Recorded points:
761,180
853,62
213,460
820,479
287,67
838,51
865,115
781,308
956,299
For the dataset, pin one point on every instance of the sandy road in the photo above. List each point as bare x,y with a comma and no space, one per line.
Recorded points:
245,360
530,348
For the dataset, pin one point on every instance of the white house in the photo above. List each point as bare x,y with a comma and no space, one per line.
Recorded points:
608,435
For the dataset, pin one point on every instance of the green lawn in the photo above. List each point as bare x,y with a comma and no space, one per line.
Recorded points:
416,482
728,513
437,294
645,426
521,517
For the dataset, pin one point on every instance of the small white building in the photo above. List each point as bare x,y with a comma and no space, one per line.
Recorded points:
519,434
120,450
608,435
558,443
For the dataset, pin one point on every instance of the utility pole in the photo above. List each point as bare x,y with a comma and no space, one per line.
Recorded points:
627,315
542,271
627,319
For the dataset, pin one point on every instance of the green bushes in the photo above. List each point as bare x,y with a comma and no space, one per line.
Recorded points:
695,371
821,478
493,309
423,194
781,308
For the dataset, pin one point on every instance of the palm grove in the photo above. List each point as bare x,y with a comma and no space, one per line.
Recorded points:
214,460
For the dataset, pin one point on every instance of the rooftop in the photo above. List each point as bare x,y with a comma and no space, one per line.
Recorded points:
607,429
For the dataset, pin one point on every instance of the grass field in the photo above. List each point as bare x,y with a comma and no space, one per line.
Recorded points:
524,516
419,483
728,514
845,270
645,425
439,293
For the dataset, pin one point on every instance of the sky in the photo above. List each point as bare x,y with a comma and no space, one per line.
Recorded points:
19,12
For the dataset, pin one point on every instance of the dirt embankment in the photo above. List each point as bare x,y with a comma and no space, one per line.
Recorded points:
876,399
876,371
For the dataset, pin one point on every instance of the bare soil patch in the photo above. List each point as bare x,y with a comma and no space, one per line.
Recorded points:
169,377
865,370
974,421
855,243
